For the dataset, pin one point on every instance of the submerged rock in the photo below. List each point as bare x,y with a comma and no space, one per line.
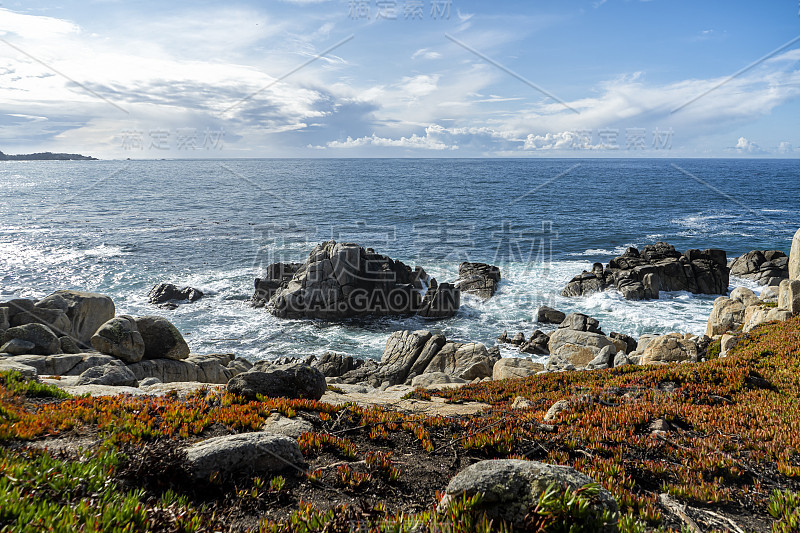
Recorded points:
169,295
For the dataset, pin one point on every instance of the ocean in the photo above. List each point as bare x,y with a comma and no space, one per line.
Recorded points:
120,227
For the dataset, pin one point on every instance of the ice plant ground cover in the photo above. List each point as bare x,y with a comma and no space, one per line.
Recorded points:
725,446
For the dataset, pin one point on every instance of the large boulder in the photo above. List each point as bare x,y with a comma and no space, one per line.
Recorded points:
86,311
168,295
537,344
334,365
45,341
463,360
794,257
295,380
4,323
580,322
671,348
67,364
789,296
726,315
257,453
17,347
767,267
479,279
659,267
120,337
110,374
162,340
511,488
548,315
12,364
755,315
55,319
342,280
573,348
514,368
214,368
401,352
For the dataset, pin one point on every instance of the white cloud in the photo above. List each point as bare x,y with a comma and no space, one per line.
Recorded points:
744,145
426,53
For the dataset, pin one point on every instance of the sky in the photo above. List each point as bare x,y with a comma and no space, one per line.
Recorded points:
400,78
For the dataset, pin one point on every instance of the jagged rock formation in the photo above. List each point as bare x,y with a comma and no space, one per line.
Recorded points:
479,279
767,267
659,267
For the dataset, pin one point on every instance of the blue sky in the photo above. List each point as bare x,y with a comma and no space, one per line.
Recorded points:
401,78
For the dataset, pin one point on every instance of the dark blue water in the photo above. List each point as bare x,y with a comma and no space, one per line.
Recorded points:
120,227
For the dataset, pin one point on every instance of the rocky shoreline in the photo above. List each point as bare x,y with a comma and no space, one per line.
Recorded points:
77,338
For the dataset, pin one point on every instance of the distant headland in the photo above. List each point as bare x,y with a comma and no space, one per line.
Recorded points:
46,156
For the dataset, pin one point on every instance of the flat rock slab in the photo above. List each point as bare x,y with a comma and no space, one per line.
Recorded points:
392,398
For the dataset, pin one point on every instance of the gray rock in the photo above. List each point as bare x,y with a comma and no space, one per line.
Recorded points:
630,342
744,295
401,352
794,257
11,364
621,359
548,315
515,368
537,344
210,369
258,453
466,361
112,375
165,293
511,488
770,294
55,319
671,348
755,315
573,347
644,340
4,323
146,382
165,370
726,343
162,340
86,311
68,345
518,339
580,322
17,347
604,359
288,381
335,364
766,267
521,402
441,301
431,348
120,337
40,335
80,363
556,409
788,296
479,279
278,424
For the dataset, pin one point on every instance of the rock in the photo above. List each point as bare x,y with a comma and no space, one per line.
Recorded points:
147,382
726,343
573,347
463,360
10,364
113,375
628,343
794,257
431,379
55,319
511,489
767,267
755,315
166,293
18,347
621,359
362,374
522,403
788,296
671,348
77,364
161,339
727,315
580,322
335,365
401,352
604,359
276,276
548,315
658,268
68,345
41,336
287,381
342,280
556,409
744,295
537,344
277,424
518,339
120,337
479,279
644,340
503,338
514,368
4,323
659,425
210,369
86,311
256,453
770,294
165,370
